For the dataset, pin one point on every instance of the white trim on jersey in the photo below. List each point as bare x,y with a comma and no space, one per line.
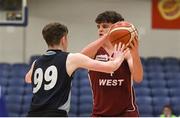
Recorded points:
66,105
132,97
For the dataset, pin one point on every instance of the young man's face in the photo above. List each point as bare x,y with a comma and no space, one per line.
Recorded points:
167,111
103,28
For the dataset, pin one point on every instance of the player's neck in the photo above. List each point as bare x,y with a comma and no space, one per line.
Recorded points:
55,48
108,47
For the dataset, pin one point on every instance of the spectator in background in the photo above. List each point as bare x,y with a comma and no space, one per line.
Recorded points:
167,112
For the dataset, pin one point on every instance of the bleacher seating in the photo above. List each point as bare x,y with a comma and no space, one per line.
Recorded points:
153,61
175,103
156,75
4,81
13,104
14,88
19,69
156,92
159,87
146,91
146,110
158,103
157,83
3,109
81,88
26,104
144,100
170,61
174,92
5,68
173,83
74,109
171,68
143,84
154,68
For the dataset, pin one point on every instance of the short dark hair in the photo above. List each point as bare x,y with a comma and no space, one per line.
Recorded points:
109,17
168,106
53,32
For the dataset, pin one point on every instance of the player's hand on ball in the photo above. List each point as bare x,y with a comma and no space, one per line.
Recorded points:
119,51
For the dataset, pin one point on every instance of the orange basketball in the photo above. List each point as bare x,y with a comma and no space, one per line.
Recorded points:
122,32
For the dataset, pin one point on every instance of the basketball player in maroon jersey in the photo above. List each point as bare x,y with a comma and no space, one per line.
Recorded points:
113,94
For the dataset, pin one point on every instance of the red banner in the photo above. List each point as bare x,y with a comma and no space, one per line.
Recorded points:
166,14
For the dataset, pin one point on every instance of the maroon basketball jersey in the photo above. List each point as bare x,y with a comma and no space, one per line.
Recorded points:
113,93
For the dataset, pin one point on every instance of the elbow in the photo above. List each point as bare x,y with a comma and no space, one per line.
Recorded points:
139,80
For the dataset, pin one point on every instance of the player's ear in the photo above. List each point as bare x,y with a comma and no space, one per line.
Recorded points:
64,42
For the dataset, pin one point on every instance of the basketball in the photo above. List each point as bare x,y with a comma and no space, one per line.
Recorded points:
123,32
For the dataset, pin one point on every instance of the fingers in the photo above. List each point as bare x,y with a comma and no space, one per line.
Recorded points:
126,50
123,47
119,47
131,45
115,47
136,40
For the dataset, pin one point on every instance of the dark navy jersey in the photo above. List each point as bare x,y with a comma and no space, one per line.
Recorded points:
51,83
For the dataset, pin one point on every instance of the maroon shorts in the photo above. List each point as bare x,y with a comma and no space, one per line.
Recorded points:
125,114
131,114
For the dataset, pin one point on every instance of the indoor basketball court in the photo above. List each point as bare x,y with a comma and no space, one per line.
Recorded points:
156,24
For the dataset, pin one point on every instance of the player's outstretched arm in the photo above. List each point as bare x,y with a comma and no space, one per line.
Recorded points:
91,49
79,60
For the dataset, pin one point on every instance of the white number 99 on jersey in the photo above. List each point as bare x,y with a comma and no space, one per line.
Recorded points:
49,76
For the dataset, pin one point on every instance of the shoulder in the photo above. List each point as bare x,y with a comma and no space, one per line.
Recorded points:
72,62
74,56
77,59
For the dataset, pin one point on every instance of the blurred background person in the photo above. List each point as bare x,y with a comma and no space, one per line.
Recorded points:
167,112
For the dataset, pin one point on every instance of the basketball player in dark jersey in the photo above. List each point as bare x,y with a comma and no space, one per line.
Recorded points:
52,73
113,94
